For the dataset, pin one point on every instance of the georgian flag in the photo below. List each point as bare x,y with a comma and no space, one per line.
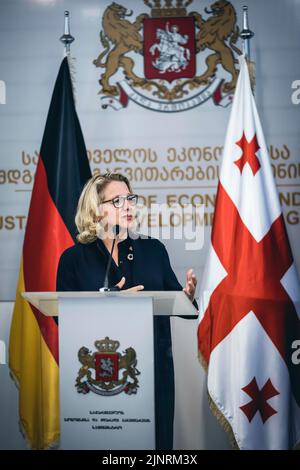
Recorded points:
249,323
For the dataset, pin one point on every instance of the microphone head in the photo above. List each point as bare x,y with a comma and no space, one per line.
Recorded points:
116,230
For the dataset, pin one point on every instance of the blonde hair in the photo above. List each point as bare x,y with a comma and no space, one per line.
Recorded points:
87,219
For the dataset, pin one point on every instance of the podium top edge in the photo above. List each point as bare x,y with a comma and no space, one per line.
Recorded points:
48,301
67,294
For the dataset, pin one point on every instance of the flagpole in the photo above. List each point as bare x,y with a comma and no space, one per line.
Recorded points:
67,38
246,34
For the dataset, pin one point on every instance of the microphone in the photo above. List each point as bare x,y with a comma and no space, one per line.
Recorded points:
116,230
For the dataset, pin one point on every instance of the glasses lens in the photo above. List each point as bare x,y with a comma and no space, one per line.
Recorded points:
118,202
132,198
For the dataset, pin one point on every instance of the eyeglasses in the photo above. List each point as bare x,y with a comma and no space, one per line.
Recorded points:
119,201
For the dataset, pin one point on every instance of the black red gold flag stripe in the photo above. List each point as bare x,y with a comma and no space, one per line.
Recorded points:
62,171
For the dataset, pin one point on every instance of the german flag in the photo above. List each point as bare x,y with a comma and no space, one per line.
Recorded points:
62,170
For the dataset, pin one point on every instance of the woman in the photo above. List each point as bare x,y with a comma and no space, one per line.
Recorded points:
138,263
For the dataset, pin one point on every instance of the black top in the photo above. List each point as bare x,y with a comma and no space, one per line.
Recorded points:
141,261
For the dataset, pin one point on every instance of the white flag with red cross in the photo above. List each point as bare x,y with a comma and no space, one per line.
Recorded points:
249,319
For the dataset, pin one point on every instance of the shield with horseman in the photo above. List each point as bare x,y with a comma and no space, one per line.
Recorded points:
107,366
169,48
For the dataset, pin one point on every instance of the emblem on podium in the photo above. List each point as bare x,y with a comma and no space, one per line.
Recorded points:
107,372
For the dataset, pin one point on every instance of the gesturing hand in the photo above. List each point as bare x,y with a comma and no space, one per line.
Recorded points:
132,289
190,286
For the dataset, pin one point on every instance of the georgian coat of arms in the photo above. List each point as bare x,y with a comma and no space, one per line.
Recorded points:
100,372
160,54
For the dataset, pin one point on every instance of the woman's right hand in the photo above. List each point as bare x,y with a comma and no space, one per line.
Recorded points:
132,289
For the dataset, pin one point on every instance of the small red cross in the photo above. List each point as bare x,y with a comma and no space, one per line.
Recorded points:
259,400
249,154
254,270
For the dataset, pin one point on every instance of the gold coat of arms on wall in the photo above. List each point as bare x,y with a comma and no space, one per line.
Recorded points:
169,60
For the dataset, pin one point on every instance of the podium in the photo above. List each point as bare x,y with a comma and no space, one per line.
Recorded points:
106,364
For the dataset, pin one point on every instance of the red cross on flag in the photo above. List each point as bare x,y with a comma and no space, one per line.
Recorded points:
250,294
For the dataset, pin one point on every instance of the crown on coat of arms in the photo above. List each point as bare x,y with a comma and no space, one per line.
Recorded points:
167,8
107,345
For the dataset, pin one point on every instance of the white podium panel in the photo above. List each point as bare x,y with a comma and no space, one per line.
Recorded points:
97,412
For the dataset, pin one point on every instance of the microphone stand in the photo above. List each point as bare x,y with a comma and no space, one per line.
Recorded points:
105,288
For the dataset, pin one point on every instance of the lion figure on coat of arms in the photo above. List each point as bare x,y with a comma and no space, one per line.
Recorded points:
213,33
124,37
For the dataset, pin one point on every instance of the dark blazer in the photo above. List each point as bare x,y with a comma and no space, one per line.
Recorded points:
82,267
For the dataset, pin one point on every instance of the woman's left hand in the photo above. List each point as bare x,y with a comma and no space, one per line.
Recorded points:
190,286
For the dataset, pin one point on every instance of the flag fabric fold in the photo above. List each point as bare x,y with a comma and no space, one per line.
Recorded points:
61,172
250,294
